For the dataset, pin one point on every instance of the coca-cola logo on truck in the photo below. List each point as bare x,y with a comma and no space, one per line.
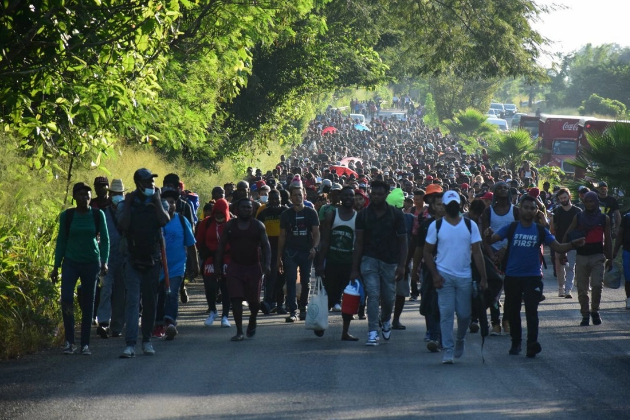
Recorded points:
569,127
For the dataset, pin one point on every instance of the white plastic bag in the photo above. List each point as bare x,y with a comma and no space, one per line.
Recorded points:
317,311
612,278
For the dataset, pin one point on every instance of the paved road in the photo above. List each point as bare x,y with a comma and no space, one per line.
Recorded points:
286,372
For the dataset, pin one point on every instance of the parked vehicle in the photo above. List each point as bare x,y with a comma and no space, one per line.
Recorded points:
516,119
359,117
530,123
500,123
510,109
498,108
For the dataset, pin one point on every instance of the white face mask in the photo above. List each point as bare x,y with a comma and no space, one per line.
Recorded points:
149,192
264,198
116,199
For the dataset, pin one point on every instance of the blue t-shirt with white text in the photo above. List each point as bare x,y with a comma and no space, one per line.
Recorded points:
524,258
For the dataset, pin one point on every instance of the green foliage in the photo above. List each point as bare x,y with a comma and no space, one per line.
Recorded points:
514,147
430,114
597,105
452,93
469,125
608,157
551,174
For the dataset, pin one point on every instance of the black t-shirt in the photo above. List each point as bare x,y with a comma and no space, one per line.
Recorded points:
608,205
299,228
562,220
380,240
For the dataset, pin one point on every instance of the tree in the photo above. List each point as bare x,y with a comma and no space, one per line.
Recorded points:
430,114
452,93
467,126
595,104
608,156
512,148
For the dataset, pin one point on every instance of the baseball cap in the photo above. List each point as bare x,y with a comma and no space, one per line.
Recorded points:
429,178
487,196
101,180
335,187
602,184
583,189
465,186
449,197
433,189
143,174
171,179
80,186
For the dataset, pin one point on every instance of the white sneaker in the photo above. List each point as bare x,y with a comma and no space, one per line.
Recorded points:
147,348
628,303
210,320
225,322
128,353
387,330
372,339
336,308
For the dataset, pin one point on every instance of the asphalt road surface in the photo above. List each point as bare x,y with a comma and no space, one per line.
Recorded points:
286,372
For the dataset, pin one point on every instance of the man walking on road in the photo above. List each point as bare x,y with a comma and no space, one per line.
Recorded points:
451,271
565,262
523,273
246,237
380,255
141,216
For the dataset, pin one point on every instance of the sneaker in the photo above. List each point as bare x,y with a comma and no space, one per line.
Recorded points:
568,295
128,353
433,346
281,311
336,308
372,339
147,348
158,331
210,320
427,337
515,350
225,322
387,330
597,320
561,293
171,332
506,326
69,348
533,349
474,327
413,298
460,346
448,357
303,314
627,303
585,321
496,330
101,330
85,350
183,294
291,318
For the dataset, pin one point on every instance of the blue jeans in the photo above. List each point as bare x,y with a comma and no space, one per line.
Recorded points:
71,272
379,279
292,260
626,265
171,303
111,308
143,283
455,296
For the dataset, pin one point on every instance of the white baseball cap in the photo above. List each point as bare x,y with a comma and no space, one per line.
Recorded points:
449,197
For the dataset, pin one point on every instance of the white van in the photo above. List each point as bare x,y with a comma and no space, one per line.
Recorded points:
501,124
400,116
359,117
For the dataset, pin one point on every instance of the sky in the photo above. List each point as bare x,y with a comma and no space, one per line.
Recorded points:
582,22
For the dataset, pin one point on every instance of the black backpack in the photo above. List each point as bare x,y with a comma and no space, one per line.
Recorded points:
143,237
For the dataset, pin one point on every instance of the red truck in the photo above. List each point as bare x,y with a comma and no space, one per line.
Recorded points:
559,136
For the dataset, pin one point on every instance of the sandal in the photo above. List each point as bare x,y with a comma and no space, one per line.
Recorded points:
237,337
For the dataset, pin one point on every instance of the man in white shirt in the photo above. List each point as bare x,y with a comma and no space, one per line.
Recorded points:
451,271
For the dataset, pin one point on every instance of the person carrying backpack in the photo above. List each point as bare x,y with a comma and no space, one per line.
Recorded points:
452,273
523,273
82,251
140,218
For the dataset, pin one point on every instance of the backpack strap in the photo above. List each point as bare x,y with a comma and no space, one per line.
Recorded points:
541,234
181,220
510,236
95,215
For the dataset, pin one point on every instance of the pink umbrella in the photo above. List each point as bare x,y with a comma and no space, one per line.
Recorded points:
342,170
329,130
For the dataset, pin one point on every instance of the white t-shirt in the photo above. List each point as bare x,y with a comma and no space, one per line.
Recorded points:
454,243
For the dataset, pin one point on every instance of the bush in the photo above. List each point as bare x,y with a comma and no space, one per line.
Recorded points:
597,105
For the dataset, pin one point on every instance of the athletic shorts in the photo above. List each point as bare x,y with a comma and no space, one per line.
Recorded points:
244,281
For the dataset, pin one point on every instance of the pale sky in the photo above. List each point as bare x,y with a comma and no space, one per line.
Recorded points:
584,21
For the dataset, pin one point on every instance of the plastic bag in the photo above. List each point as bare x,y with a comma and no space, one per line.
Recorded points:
612,278
317,311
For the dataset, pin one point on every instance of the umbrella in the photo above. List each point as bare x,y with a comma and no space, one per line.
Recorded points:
329,130
342,170
345,161
361,127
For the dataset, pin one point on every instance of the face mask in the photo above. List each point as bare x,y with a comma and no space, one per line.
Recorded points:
263,199
117,199
149,192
